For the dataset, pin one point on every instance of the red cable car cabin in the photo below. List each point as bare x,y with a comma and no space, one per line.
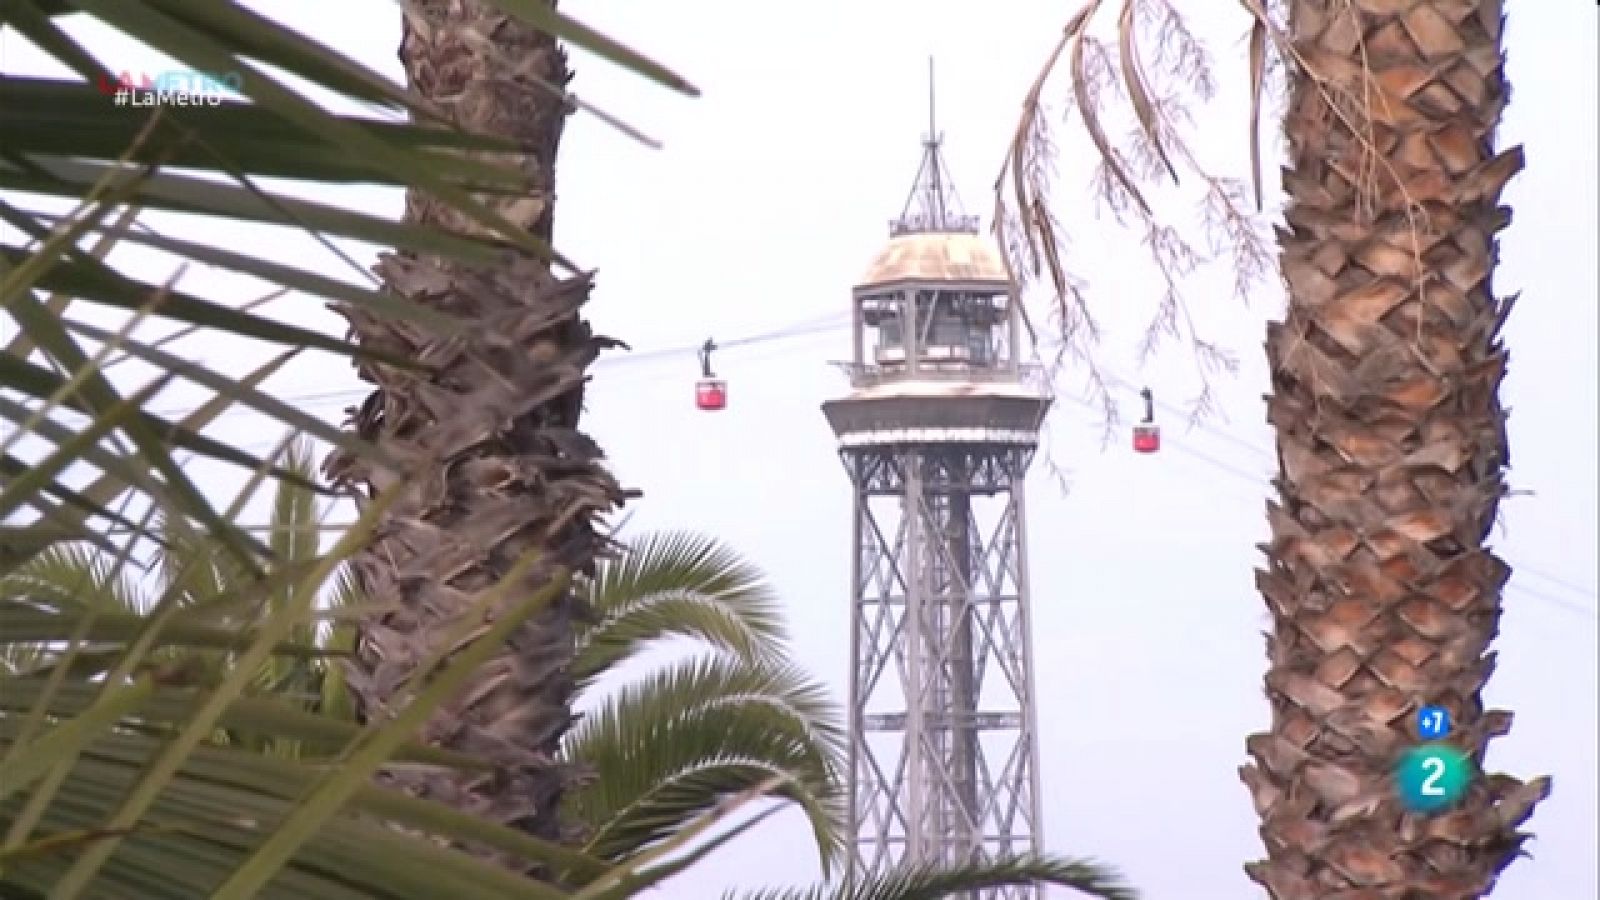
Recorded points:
1147,434
710,392
1146,438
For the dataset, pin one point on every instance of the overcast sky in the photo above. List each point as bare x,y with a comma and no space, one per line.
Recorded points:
767,202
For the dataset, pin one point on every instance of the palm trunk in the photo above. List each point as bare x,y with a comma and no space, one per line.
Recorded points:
1391,448
497,465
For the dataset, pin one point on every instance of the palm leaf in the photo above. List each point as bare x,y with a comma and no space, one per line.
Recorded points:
64,139
191,563
295,539
678,741
26,623
650,867
215,593
939,883
72,576
68,576
338,636
214,811
678,584
166,706
119,469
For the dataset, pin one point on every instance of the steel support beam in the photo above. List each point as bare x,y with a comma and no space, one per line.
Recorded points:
943,751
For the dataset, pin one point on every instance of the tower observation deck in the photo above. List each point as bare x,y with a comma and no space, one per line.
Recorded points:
936,433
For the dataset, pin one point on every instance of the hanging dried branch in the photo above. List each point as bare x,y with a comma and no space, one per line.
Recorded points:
1258,71
1143,106
1155,152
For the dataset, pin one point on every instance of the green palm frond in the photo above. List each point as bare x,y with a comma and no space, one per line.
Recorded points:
64,576
338,636
678,584
940,883
72,576
79,752
193,563
295,540
213,589
296,536
212,815
673,744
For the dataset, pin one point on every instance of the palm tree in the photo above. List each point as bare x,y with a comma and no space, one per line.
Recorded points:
496,467
667,742
1392,447
1384,593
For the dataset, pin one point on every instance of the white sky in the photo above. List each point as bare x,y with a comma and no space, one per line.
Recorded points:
771,195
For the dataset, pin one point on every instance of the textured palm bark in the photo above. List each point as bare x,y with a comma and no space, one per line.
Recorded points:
495,464
1391,448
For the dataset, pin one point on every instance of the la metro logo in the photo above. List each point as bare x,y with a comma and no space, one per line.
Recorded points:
174,81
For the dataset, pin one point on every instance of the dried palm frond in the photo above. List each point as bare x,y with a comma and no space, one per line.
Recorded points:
1156,86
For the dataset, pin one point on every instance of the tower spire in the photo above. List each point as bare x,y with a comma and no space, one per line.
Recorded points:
933,205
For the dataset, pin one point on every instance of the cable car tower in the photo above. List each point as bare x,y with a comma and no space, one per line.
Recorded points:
938,429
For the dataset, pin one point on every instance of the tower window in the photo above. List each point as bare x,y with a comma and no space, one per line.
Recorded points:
889,332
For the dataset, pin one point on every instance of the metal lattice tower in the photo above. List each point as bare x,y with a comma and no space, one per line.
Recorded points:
936,434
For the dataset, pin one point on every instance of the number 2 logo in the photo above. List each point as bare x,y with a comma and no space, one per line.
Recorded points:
1435,769
1432,778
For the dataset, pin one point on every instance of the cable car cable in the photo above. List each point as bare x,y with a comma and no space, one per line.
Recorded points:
1209,428
834,321
816,325
1257,479
1262,479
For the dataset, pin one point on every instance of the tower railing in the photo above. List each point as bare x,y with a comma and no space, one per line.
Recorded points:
866,375
918,223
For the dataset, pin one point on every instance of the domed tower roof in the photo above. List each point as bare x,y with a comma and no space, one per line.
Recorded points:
932,241
937,256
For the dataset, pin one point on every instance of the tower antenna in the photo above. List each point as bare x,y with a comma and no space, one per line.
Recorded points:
933,205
